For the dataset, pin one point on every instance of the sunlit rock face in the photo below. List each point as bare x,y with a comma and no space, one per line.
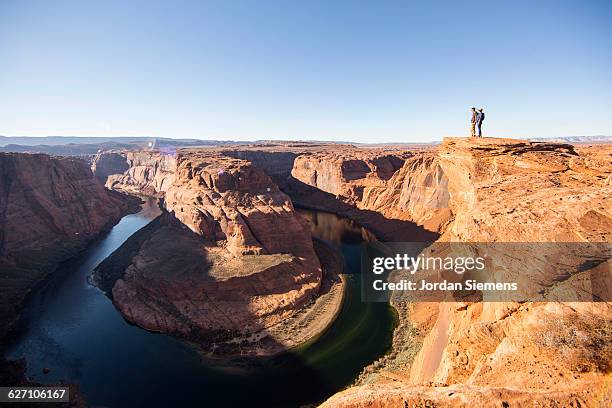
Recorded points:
346,173
148,173
228,260
555,353
512,190
397,185
417,192
51,208
276,164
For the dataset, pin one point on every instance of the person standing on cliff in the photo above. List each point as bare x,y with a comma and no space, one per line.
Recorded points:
479,119
473,122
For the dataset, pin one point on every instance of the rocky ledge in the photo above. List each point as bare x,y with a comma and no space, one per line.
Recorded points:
499,353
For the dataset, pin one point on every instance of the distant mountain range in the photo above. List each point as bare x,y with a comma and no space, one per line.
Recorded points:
64,140
574,139
82,146
79,146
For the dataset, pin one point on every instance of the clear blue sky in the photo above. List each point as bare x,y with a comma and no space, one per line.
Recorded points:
335,70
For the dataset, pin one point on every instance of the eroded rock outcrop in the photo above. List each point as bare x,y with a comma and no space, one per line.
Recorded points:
147,173
50,208
462,396
418,192
346,175
511,190
365,185
378,188
462,354
515,191
276,164
227,265
108,163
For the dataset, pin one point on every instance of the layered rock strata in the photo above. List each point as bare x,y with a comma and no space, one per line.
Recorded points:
146,172
108,163
462,354
227,265
346,175
50,209
418,192
365,185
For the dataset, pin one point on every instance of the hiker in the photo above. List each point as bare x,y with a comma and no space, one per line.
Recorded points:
479,119
473,122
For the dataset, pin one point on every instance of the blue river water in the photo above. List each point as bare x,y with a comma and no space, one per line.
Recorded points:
73,329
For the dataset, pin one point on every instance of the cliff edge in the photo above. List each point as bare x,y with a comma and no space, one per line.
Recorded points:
502,353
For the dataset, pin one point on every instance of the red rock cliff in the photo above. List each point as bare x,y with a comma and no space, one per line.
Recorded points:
50,208
346,174
504,354
228,263
146,173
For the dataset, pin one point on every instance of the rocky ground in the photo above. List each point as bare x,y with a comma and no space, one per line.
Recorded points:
466,190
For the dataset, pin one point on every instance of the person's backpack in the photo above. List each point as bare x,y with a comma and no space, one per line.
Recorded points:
481,118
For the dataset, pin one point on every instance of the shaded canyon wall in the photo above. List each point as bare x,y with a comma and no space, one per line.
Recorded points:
50,209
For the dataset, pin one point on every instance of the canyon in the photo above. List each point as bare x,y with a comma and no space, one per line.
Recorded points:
50,209
231,268
466,190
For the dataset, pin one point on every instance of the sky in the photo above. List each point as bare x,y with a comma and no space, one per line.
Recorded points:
362,71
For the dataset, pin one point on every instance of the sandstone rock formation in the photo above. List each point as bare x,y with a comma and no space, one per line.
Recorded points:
397,394
502,353
108,163
347,174
365,185
50,208
511,190
225,266
148,173
418,192
277,164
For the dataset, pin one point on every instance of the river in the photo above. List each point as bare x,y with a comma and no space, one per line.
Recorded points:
73,329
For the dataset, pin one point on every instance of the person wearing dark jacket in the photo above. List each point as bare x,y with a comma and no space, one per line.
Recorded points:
473,122
479,119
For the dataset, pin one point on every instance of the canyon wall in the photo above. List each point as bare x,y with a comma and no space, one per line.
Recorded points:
276,164
463,354
50,209
108,163
346,175
385,186
418,192
226,267
468,190
145,172
367,186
